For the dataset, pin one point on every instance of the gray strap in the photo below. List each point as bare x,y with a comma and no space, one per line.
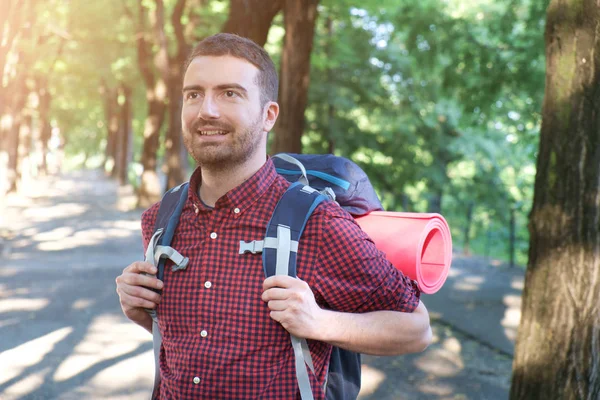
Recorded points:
156,343
153,254
301,351
151,245
301,373
156,337
257,246
180,261
307,356
284,238
285,157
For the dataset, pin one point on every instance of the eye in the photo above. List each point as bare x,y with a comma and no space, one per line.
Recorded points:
191,95
230,94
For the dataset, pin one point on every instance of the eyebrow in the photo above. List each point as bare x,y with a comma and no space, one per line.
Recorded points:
224,86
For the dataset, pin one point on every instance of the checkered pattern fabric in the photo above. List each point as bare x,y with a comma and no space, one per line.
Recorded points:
218,339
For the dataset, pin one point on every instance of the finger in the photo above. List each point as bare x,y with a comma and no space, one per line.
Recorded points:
139,292
135,279
276,316
281,281
275,293
141,266
132,302
277,305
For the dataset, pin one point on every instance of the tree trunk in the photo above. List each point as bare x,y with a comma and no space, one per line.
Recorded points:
435,201
299,18
45,101
252,18
174,143
25,158
112,141
467,231
173,75
150,189
124,144
14,131
512,237
113,131
557,355
12,18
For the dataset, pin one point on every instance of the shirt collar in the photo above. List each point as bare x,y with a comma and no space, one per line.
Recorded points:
242,196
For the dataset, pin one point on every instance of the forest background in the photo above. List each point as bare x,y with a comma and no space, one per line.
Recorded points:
438,100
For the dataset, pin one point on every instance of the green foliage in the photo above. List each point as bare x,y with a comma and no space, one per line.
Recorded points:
433,98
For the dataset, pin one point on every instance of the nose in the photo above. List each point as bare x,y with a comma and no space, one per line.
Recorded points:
209,109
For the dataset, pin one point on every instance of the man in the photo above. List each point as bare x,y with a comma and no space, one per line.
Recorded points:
225,328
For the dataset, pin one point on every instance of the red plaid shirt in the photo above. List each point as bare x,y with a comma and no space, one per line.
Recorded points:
218,339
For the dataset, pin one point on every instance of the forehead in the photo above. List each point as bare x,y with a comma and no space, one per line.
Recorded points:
208,71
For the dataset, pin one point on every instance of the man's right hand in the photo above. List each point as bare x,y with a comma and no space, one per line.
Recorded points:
135,294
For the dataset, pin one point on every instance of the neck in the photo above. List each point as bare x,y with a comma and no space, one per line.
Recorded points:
216,182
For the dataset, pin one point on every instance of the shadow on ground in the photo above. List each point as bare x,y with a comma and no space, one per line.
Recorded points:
64,336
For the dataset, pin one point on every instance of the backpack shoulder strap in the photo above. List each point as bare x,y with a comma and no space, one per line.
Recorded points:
280,255
167,219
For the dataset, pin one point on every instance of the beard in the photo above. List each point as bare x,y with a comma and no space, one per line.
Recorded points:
241,145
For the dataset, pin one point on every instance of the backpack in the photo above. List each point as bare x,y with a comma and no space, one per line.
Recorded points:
331,178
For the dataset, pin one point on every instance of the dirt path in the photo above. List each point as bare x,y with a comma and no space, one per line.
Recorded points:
66,239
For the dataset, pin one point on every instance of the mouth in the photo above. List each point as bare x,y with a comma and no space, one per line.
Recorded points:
211,132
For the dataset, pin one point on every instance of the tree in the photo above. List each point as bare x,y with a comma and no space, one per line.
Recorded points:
557,355
299,20
251,19
150,191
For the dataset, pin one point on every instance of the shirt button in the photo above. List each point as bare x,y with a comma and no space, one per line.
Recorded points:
207,284
236,210
204,334
213,235
196,380
196,209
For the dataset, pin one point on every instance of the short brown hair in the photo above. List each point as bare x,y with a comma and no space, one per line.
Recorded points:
228,44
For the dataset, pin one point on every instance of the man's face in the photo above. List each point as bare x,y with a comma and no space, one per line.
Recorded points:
222,118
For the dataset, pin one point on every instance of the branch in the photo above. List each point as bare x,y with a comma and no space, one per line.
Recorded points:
182,46
161,60
144,53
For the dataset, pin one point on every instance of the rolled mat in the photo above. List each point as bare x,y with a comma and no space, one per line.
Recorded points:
418,244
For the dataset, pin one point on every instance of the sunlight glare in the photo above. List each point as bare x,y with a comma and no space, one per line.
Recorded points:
108,337
13,304
371,379
14,361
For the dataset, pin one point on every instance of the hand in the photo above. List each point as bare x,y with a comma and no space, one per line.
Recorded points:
292,304
134,292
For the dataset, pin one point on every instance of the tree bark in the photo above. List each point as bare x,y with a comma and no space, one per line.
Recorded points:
299,19
557,355
467,231
252,19
25,157
12,15
125,134
45,101
172,74
150,191
20,92
111,107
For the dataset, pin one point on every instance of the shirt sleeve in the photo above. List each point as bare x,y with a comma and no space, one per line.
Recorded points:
148,221
353,275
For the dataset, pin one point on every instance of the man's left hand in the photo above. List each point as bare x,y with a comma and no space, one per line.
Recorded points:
292,304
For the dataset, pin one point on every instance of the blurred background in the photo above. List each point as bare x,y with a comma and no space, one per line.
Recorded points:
439,100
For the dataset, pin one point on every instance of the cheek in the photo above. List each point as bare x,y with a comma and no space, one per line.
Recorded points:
188,115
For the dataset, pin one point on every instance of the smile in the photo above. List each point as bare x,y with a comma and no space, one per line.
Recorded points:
212,133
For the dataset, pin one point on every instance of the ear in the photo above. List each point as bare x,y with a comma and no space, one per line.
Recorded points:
270,115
